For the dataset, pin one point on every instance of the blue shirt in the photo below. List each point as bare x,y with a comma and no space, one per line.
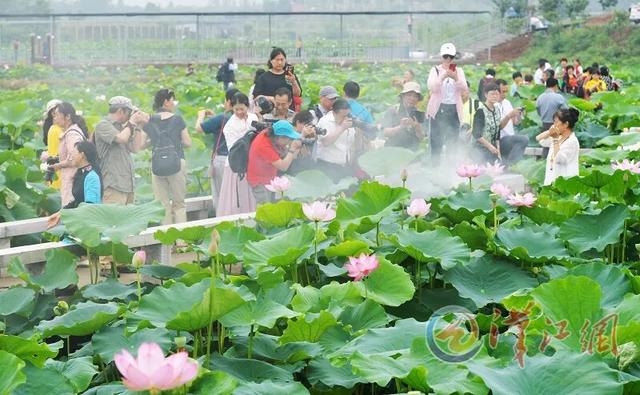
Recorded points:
92,188
548,104
358,111
214,127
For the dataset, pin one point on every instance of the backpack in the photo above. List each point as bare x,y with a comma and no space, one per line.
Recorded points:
221,72
165,160
239,153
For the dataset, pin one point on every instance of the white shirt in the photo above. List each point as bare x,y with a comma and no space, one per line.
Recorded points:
565,162
448,91
505,108
537,76
235,128
340,151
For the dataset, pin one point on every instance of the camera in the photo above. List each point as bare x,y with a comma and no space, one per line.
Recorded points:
49,173
267,124
418,116
368,129
320,131
265,105
288,68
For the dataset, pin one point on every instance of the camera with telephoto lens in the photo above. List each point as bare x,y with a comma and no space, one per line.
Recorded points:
267,124
50,172
265,105
418,116
370,130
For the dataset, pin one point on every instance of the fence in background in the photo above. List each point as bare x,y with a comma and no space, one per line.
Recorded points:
93,39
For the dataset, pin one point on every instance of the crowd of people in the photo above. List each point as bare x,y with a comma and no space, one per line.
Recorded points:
265,133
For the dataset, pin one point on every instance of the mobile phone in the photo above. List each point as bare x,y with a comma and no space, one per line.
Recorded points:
452,66
288,68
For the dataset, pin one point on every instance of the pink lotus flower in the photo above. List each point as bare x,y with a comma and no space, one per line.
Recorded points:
362,266
524,200
151,371
318,212
44,156
469,171
626,164
278,184
139,258
418,208
500,190
493,170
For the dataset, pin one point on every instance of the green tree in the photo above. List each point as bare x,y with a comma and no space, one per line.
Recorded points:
608,3
502,6
576,8
550,9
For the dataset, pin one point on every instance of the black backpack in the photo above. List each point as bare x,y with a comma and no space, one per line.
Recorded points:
221,73
239,153
165,160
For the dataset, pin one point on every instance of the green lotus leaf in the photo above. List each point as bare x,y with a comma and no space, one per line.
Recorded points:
624,139
249,370
562,373
59,271
379,369
321,370
186,308
314,184
302,330
347,248
79,371
44,381
533,170
437,298
574,299
233,238
613,281
283,249
488,280
29,350
11,374
604,156
17,300
473,236
433,246
309,299
386,161
16,114
366,315
582,104
389,284
192,234
269,387
119,252
531,243
588,133
595,231
109,289
594,181
369,205
91,222
261,312
83,319
111,340
162,272
116,388
219,383
279,214
385,341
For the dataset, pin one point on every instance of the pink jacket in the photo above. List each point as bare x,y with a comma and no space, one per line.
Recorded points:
434,83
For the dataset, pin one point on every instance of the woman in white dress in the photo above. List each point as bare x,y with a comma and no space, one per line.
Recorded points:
564,148
236,196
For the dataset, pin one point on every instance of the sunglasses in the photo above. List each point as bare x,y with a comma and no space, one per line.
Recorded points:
448,56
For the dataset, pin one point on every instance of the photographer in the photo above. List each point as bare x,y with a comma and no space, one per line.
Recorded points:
51,138
445,109
115,142
303,124
335,150
402,125
281,107
272,151
280,75
327,96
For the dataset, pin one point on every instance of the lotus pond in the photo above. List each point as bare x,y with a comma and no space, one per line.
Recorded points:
464,292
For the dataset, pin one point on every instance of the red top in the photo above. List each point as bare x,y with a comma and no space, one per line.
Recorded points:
260,170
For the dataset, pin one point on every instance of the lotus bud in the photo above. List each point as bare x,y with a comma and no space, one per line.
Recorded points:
139,259
61,308
404,175
213,247
181,342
